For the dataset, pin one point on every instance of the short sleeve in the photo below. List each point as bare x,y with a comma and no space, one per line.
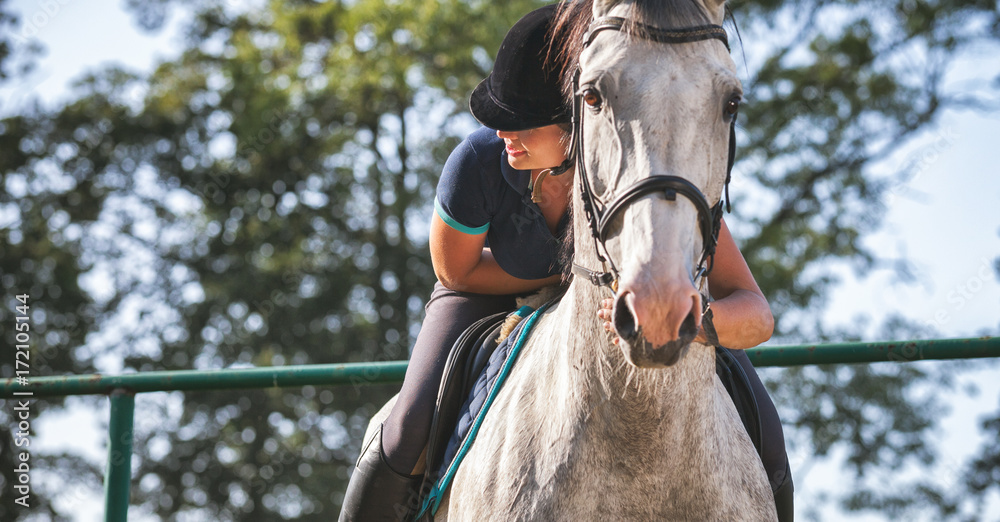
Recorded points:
465,188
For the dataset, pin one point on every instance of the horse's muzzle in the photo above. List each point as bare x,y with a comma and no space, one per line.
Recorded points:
640,351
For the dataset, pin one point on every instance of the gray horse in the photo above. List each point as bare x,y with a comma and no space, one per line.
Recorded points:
584,429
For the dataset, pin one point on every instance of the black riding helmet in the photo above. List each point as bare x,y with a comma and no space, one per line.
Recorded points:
522,92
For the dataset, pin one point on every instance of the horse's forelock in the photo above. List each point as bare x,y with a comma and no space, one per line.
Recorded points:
669,13
574,16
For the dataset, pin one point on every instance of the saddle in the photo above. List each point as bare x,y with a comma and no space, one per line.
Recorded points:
462,388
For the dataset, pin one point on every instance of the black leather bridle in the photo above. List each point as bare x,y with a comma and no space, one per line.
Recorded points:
600,215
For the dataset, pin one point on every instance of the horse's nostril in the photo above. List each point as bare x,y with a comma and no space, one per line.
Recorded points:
624,320
689,329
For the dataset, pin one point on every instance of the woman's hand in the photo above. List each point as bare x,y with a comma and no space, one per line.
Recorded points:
604,314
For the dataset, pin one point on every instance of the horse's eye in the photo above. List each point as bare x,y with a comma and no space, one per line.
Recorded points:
592,98
732,106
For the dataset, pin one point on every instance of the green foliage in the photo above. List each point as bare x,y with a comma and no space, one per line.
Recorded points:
7,21
840,90
842,86
984,476
264,201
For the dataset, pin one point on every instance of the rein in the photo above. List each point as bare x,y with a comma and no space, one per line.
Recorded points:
601,215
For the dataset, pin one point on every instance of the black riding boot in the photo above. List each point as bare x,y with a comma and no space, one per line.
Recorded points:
783,499
376,493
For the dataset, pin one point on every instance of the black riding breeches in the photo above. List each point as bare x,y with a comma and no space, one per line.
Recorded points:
448,314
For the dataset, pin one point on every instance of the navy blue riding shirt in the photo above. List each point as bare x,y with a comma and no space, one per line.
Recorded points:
480,192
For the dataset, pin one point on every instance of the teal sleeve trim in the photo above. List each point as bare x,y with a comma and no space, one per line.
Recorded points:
450,221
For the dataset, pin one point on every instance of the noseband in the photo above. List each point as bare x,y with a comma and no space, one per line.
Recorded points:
601,215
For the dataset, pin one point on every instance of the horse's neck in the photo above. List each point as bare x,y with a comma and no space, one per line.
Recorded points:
600,424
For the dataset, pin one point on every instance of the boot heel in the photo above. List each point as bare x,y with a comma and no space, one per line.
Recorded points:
376,493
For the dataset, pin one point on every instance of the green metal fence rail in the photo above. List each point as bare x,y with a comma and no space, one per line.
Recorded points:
121,389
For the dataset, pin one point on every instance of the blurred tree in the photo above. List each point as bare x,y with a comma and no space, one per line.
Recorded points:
40,249
841,87
7,21
262,200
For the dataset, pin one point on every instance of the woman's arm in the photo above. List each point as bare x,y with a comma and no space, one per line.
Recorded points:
740,313
463,263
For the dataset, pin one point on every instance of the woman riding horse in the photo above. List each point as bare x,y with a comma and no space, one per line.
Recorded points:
491,243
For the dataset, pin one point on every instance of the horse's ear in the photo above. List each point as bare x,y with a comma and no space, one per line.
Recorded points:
602,7
716,9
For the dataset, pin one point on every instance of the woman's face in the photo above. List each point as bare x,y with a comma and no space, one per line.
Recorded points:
538,148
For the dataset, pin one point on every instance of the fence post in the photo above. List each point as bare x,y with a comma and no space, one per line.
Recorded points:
118,476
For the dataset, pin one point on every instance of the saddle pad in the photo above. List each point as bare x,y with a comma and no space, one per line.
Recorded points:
474,410
466,361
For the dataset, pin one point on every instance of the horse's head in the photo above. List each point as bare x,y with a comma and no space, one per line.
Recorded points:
656,98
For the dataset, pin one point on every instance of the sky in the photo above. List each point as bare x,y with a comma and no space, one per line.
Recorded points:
945,220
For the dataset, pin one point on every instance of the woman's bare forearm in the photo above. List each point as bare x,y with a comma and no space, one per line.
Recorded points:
742,320
486,277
